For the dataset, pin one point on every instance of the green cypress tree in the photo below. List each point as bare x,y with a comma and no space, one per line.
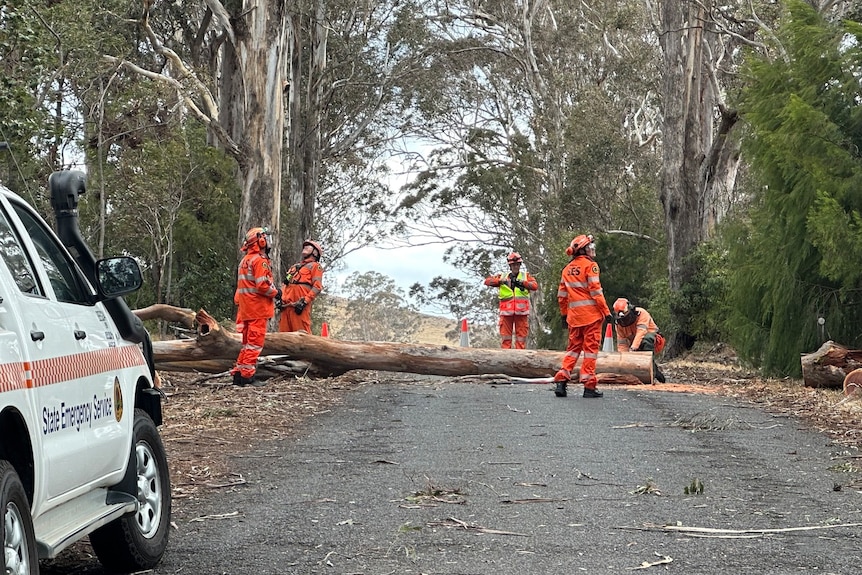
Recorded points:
795,259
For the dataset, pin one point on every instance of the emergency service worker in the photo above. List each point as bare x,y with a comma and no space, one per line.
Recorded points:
255,294
515,287
583,308
636,331
302,283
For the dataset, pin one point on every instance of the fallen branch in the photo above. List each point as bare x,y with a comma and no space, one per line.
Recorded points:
734,533
181,315
646,564
220,516
238,481
533,500
453,522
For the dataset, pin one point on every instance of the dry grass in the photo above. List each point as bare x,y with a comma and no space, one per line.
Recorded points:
206,421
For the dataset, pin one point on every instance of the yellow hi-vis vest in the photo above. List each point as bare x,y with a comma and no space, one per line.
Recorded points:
514,302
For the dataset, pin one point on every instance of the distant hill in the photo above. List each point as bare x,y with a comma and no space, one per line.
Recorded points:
432,330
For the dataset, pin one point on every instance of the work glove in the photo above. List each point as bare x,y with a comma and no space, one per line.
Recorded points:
610,319
277,296
299,306
564,321
518,284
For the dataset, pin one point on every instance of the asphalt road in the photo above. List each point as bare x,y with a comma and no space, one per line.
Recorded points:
450,478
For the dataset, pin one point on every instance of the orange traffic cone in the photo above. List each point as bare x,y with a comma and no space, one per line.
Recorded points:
608,344
324,330
465,333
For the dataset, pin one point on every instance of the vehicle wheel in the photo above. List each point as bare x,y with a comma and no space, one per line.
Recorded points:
137,541
19,542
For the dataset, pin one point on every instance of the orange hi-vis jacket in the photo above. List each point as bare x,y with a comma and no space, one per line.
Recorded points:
629,337
303,281
513,301
580,295
254,287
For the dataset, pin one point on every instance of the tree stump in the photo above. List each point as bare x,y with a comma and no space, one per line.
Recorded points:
829,365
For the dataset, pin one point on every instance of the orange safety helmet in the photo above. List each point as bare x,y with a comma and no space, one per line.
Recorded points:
514,258
624,312
579,243
256,235
316,247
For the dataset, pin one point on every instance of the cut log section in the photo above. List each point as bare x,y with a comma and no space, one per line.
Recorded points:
214,346
829,365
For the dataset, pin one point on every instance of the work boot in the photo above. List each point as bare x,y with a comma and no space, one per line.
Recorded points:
561,389
237,378
592,392
252,382
659,375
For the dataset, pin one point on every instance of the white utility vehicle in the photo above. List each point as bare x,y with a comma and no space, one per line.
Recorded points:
80,452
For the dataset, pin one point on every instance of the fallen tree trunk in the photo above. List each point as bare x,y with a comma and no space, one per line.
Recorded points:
266,367
829,365
330,357
181,315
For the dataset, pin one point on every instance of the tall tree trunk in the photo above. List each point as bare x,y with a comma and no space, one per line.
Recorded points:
699,165
304,117
252,112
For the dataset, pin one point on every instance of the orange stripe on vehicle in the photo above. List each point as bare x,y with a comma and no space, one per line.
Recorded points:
27,372
42,372
10,377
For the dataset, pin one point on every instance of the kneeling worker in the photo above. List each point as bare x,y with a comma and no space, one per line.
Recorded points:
636,331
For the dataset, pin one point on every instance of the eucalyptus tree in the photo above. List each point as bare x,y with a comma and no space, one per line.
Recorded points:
540,124
28,64
238,92
350,65
299,93
702,45
73,124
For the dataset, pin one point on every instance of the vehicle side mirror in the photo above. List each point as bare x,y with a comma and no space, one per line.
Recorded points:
117,276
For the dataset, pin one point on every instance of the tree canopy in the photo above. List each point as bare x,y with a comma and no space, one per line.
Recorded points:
793,258
487,127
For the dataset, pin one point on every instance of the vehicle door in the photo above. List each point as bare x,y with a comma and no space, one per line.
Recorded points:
72,344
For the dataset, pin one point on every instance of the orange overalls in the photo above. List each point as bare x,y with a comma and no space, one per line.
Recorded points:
302,281
631,337
254,296
583,304
514,308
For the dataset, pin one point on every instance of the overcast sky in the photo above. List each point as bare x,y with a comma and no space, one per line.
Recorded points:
405,266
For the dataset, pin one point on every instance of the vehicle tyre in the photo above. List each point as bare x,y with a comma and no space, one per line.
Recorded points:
138,540
16,530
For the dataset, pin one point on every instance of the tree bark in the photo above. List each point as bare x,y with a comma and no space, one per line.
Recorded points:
253,109
700,159
329,357
183,316
305,112
829,365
